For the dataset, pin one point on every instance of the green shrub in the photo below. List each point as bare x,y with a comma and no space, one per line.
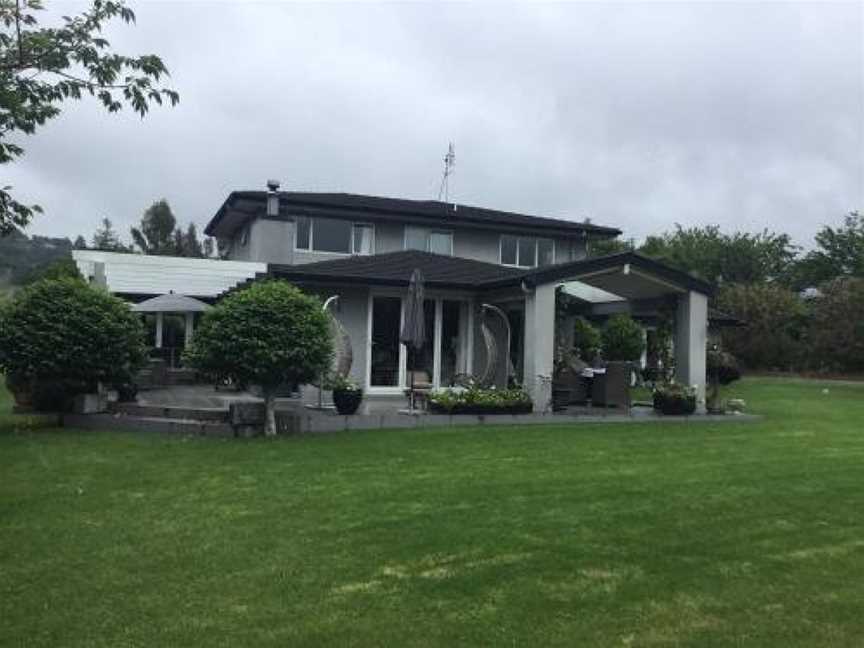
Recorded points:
836,331
62,336
622,339
268,334
775,323
586,338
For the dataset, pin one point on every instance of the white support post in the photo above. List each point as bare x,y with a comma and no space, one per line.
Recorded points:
189,328
539,345
436,343
159,323
691,339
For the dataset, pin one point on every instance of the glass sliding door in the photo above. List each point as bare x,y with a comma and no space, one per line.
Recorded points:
385,358
422,361
445,351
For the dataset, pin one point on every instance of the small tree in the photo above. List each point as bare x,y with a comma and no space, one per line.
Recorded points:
156,234
622,339
63,333
268,334
586,338
42,67
106,238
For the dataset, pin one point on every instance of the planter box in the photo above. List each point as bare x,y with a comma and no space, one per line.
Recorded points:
521,408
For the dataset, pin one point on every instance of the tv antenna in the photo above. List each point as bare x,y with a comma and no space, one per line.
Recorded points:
449,166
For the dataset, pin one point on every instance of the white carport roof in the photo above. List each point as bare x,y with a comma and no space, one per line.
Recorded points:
140,274
170,303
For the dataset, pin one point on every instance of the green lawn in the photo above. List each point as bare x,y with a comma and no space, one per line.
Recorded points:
736,534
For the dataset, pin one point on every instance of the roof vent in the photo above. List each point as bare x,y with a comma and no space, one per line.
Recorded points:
272,198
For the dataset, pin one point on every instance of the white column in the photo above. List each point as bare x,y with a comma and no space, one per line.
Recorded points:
539,344
189,328
691,338
159,321
436,344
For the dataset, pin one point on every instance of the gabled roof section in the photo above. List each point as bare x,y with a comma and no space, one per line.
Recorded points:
241,206
395,268
607,272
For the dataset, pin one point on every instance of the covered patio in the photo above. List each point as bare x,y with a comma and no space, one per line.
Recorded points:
497,324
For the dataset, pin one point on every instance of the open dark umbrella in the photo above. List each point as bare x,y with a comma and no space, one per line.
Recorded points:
413,333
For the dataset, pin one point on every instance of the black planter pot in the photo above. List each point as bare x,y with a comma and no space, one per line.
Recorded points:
347,401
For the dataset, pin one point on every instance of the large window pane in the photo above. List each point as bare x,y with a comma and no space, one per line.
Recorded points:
416,238
508,249
385,341
330,235
441,243
363,239
545,252
527,252
303,230
422,361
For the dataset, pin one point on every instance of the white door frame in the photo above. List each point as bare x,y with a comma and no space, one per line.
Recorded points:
438,299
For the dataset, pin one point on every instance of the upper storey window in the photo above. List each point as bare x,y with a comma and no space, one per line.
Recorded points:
527,251
334,236
436,241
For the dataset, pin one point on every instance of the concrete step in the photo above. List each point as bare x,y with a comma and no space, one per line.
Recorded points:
212,414
161,425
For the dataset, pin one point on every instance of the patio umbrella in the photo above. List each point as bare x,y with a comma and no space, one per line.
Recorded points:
413,333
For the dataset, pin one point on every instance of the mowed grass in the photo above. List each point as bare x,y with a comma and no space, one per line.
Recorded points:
729,534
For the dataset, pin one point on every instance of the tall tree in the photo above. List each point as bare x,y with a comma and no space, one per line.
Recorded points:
80,243
739,257
106,239
156,234
41,67
191,244
839,253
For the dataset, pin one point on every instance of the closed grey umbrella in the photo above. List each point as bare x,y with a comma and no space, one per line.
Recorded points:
413,333
414,326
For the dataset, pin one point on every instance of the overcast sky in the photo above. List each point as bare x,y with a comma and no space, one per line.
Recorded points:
635,115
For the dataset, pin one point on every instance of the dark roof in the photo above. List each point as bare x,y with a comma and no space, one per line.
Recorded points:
240,206
394,269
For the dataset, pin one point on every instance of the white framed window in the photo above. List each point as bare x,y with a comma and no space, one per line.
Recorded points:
526,251
429,240
334,236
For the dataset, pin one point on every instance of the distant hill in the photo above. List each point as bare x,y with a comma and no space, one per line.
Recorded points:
21,254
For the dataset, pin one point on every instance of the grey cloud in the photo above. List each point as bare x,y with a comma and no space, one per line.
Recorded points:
638,116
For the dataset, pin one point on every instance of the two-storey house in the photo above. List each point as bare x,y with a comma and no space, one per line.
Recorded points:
491,279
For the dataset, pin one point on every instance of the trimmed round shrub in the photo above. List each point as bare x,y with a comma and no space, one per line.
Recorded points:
269,334
622,339
61,337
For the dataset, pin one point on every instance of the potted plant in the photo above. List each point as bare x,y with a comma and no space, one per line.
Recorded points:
722,369
347,395
674,399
